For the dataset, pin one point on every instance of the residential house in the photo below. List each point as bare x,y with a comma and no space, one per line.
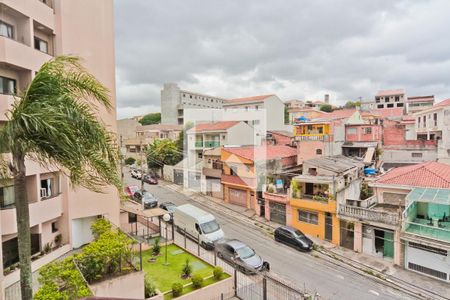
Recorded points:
294,103
174,101
212,173
390,99
279,137
419,103
433,124
315,193
34,32
273,106
126,128
245,170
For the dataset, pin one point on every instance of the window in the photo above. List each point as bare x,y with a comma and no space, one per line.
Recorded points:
386,99
233,171
399,104
7,196
6,30
319,151
377,99
46,187
54,227
435,119
40,45
367,130
397,98
418,122
255,122
416,154
200,155
390,105
308,217
7,86
190,96
351,131
380,106
256,107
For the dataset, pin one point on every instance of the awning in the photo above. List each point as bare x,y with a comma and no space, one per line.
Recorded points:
429,195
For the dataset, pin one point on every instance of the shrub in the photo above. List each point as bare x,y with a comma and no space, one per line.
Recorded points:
218,271
99,227
187,269
156,249
270,189
197,281
177,289
130,160
150,288
58,239
47,248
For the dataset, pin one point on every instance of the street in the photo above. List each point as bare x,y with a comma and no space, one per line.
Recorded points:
304,270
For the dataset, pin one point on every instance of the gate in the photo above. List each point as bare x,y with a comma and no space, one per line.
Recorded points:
277,212
328,227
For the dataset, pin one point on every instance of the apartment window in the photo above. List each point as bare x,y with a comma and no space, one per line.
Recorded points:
308,217
399,104
424,121
46,188
435,119
246,108
319,151
54,227
380,106
7,196
390,105
190,96
200,155
418,122
7,86
386,99
40,45
367,130
416,154
256,107
255,122
397,98
377,99
6,30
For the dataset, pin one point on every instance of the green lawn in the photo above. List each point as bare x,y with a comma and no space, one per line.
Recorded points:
164,276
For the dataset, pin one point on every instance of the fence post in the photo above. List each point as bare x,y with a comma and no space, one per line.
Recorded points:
173,231
140,256
215,256
198,245
235,281
159,225
264,288
185,238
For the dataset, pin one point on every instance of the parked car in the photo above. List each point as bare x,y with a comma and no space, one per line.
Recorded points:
145,198
136,174
170,207
130,190
293,237
245,258
198,224
150,179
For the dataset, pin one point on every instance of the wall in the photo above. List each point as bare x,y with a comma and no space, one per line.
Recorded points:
170,98
275,109
168,173
129,286
307,150
212,291
356,133
127,128
240,134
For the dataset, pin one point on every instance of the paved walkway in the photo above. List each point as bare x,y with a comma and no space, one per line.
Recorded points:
370,265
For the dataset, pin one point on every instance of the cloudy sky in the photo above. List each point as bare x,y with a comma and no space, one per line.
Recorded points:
295,49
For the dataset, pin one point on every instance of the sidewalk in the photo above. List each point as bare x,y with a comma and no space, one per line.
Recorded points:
370,265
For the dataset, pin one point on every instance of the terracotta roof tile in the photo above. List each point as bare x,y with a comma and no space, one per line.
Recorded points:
237,180
442,103
390,92
428,174
224,125
262,152
388,112
248,99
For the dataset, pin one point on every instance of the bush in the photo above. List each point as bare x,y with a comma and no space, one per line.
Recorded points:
156,249
177,289
99,227
58,239
150,288
187,269
129,161
197,281
47,248
270,189
218,272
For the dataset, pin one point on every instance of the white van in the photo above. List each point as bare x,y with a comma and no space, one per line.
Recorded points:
198,223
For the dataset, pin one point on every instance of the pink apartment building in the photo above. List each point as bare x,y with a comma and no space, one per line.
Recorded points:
31,33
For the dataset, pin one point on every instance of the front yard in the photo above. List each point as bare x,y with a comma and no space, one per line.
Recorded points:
164,276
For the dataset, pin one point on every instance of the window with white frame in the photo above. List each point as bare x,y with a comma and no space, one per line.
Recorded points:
40,45
308,217
6,30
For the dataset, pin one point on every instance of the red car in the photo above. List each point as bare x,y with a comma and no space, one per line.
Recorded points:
130,190
150,179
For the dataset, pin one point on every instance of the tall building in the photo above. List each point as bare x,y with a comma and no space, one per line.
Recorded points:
174,101
31,33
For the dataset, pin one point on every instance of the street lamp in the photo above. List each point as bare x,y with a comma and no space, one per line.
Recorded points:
166,218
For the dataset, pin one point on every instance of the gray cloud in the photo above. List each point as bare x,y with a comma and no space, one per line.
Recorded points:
295,49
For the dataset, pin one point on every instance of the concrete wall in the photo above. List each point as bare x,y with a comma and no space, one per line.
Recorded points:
211,291
168,173
129,286
240,134
127,128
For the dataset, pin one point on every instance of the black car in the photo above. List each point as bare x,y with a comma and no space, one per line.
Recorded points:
170,207
293,237
238,253
145,198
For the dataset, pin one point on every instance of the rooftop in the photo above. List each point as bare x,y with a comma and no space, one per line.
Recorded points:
248,99
429,174
388,112
214,126
337,163
282,132
262,152
159,127
429,195
421,98
390,92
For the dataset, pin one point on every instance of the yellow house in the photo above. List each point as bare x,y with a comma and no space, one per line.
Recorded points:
312,129
314,207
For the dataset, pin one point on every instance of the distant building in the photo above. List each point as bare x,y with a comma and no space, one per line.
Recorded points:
174,101
294,103
126,128
418,103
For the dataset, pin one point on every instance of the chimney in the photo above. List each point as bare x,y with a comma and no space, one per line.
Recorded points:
327,98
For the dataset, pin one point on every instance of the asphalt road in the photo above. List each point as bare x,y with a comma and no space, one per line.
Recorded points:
330,280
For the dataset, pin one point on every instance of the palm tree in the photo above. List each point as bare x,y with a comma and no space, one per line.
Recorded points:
54,123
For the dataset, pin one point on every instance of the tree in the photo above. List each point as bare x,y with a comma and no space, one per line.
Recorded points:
53,122
149,119
286,116
130,160
181,143
162,152
351,104
326,108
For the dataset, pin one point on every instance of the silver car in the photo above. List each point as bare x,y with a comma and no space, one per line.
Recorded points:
242,256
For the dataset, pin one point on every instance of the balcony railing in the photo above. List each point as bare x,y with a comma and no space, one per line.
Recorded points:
437,233
212,144
323,137
369,214
314,197
199,144
217,165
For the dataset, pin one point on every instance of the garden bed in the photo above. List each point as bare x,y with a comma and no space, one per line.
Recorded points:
163,276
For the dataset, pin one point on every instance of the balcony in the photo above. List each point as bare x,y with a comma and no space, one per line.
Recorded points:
41,10
368,214
441,230
216,173
323,138
21,55
212,144
277,196
6,102
198,144
40,212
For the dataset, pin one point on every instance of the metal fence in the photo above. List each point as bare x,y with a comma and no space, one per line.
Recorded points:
264,285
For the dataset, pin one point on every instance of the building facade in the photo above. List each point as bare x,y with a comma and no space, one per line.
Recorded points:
33,32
